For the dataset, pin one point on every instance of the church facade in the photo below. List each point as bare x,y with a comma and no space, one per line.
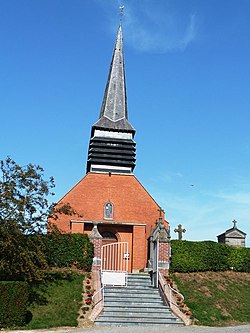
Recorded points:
111,204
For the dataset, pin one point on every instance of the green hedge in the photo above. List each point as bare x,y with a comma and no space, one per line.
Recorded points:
14,299
189,256
239,259
65,250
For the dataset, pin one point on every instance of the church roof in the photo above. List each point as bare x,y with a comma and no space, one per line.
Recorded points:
233,232
236,230
114,111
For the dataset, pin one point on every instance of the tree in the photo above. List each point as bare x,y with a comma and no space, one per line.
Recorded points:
24,211
24,205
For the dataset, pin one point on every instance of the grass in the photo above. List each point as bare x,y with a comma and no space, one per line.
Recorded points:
58,303
216,298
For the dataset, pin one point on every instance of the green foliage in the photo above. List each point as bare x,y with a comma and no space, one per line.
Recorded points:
23,197
208,256
23,211
65,250
14,298
22,258
239,259
57,301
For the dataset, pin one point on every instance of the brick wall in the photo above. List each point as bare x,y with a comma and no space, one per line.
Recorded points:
131,203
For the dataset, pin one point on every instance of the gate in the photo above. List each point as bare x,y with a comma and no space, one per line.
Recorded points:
114,264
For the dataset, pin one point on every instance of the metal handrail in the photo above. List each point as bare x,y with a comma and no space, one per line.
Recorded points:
164,284
96,293
174,290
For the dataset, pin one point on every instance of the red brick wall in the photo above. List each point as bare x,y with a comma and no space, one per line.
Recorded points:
76,228
139,248
164,252
131,202
97,242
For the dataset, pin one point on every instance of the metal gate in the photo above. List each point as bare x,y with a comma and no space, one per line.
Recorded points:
114,264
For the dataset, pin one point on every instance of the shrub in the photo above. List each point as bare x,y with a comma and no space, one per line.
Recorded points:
14,298
239,259
66,250
207,256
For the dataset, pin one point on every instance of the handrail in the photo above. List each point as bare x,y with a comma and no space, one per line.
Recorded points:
96,293
174,290
164,284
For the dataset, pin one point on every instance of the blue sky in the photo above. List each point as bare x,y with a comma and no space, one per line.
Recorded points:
188,82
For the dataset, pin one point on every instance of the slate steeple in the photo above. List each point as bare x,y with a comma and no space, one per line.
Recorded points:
112,148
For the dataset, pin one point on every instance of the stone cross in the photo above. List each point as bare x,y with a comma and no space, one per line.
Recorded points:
234,222
180,231
161,211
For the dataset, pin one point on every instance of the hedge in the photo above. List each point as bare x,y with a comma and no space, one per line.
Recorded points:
187,256
14,299
66,250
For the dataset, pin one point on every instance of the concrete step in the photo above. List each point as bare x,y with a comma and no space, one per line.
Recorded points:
130,290
143,278
131,295
136,304
140,309
138,318
133,323
137,321
138,275
135,314
138,281
133,303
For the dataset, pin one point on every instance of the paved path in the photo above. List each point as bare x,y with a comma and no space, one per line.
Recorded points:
141,329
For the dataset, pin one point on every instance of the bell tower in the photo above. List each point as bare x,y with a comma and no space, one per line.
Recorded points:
111,147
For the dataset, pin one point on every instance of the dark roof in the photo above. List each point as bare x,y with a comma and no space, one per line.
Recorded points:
121,125
232,229
114,111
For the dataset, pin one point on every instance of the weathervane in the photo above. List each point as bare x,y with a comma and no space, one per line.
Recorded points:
121,12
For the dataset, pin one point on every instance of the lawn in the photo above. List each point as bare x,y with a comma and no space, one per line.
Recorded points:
216,298
58,302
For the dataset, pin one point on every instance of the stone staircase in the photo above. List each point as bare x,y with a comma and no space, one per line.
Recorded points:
137,304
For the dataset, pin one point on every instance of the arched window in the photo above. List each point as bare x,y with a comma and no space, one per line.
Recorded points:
108,210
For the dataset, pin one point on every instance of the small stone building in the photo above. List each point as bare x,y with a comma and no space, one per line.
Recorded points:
233,236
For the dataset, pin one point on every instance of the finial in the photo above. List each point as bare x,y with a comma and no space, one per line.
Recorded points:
234,222
161,211
121,13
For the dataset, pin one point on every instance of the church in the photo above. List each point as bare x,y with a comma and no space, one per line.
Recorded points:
112,205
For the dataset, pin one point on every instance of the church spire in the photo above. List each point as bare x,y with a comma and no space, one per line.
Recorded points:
112,148
114,112
114,105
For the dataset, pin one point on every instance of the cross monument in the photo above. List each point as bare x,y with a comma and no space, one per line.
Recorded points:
180,231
